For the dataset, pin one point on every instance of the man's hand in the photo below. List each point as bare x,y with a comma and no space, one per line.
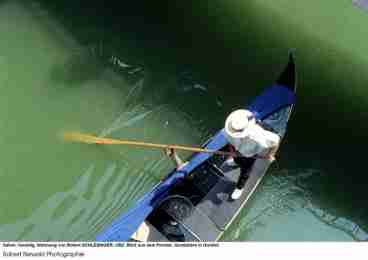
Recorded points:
232,151
271,158
272,153
170,152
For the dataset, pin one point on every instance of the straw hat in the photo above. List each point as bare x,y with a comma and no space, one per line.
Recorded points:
238,122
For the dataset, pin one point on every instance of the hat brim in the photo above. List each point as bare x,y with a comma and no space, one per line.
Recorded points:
237,134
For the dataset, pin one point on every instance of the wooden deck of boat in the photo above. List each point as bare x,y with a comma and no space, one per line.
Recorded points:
216,211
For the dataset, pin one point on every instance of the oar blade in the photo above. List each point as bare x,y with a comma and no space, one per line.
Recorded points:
79,137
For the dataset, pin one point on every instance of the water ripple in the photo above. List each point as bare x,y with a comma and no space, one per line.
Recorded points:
286,192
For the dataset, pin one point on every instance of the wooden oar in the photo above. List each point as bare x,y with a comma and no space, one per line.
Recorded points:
91,139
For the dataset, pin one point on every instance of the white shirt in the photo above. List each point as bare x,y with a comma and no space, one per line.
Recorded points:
257,142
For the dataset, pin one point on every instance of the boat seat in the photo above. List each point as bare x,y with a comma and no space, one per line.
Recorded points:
205,178
154,234
142,233
217,204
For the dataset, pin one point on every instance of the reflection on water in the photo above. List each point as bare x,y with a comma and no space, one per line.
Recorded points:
77,214
361,3
70,191
345,225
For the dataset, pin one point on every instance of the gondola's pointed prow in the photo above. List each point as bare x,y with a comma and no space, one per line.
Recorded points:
279,95
288,76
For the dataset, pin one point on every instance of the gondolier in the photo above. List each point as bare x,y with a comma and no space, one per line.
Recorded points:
250,141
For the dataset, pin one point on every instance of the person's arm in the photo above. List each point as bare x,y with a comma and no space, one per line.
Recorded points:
171,153
273,141
272,152
232,151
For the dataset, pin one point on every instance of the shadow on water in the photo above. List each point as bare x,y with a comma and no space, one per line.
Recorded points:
133,39
235,53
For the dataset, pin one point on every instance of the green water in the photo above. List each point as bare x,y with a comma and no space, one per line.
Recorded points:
52,81
55,190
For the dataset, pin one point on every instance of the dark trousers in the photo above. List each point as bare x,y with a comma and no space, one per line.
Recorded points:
245,165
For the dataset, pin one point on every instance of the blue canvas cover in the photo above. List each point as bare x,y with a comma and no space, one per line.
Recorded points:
273,99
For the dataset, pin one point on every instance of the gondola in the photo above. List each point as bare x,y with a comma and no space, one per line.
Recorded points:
194,203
